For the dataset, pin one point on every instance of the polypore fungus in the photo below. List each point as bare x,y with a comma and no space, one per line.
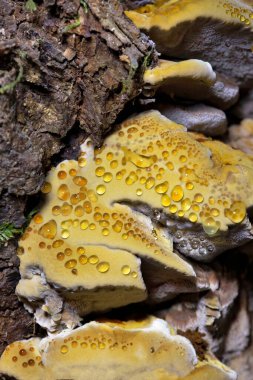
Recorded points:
241,136
86,243
192,79
202,29
136,350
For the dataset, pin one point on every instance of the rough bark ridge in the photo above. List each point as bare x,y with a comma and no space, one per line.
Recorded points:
65,65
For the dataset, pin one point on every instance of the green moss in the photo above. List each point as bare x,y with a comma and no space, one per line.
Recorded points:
30,5
9,86
84,5
127,83
9,231
74,25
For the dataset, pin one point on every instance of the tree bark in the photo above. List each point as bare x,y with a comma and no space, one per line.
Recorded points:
68,68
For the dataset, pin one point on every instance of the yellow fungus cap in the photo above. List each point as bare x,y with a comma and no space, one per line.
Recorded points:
166,14
137,350
89,238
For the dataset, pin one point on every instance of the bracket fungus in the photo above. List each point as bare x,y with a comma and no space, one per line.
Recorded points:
138,350
192,79
202,29
99,218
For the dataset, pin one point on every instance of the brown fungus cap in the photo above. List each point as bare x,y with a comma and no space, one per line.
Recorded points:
88,244
203,29
137,350
191,79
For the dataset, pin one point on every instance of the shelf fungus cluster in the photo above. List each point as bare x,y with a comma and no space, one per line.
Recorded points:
139,350
121,219
218,31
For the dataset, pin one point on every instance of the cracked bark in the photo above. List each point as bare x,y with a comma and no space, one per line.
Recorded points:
72,83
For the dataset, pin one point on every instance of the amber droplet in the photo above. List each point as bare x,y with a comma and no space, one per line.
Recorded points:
126,270
64,349
165,200
162,187
237,212
132,178
57,243
22,352
114,164
82,162
117,226
31,362
56,210
100,171
100,189
189,185
105,232
60,256
20,251
79,211
48,230
72,172
65,234
150,183
46,188
14,358
198,198
139,192
62,174
93,259
80,181
68,251
70,264
63,192
38,218
83,259
193,217
103,267
177,193
173,209
186,204
66,209
107,177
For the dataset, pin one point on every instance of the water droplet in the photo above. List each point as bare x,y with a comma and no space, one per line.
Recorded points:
126,270
63,192
82,162
84,224
83,259
80,181
72,172
131,179
64,349
46,188
107,177
38,219
105,232
100,189
189,185
177,193
62,174
65,234
134,274
60,256
79,211
237,212
210,226
198,198
56,210
103,267
165,200
100,171
139,192
150,183
162,187
93,259
193,217
48,230
70,264
186,204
